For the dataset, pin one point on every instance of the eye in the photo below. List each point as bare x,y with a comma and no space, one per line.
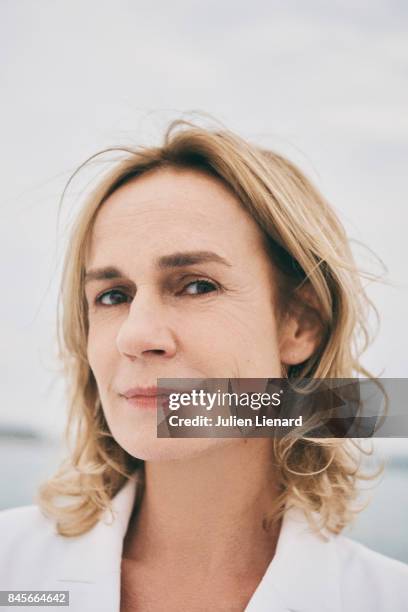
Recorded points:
202,286
112,298
115,297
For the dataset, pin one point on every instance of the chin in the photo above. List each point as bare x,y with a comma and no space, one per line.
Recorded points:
170,449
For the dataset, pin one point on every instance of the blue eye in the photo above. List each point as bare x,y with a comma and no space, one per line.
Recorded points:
203,284
116,297
99,300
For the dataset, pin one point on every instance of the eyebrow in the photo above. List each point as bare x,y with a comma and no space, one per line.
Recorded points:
175,260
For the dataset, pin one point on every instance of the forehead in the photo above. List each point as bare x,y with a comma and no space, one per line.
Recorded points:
171,208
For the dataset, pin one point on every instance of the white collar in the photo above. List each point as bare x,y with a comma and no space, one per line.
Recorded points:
303,576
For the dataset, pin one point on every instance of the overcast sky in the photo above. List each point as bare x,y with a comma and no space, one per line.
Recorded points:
322,82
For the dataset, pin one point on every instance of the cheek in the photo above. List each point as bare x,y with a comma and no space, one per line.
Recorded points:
101,348
92,346
222,322
252,325
237,340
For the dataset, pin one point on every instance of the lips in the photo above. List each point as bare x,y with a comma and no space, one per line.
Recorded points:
152,391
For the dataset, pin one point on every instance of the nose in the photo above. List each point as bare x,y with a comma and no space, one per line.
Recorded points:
146,331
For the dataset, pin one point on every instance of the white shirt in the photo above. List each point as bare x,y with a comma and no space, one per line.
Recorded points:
307,573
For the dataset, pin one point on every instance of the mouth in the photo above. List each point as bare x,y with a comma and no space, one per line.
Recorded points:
144,392
161,392
148,402
153,398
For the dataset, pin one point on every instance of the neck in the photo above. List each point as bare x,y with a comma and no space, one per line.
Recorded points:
208,511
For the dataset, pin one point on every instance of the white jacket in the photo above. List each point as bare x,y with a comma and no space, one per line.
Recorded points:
307,573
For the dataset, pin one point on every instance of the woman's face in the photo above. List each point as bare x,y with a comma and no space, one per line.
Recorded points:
192,296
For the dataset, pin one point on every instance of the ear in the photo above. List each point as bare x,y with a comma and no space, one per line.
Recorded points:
301,328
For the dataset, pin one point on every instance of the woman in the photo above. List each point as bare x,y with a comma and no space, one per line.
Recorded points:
206,257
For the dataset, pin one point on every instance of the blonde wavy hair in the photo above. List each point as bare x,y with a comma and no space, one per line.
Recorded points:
307,245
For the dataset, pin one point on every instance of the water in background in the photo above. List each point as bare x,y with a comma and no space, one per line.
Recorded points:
26,460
